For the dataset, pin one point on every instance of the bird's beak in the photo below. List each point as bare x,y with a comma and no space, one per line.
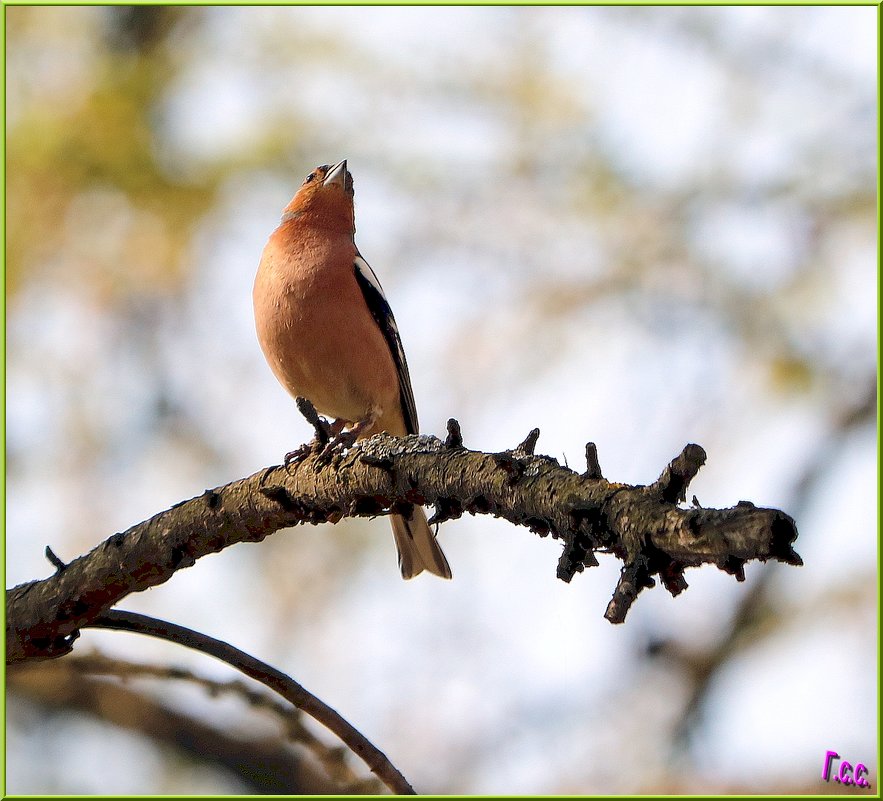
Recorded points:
337,175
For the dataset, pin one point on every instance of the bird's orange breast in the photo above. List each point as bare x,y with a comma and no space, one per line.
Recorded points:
316,330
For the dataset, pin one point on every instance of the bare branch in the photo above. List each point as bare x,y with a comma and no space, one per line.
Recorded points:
593,466
57,563
641,525
262,764
276,680
332,759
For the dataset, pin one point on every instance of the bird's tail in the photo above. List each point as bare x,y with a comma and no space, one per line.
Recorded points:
418,550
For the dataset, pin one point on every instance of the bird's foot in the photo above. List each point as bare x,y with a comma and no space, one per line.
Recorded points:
325,433
303,452
320,425
327,448
334,449
332,440
342,439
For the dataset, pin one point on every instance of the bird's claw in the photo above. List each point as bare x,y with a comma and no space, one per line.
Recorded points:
334,449
331,440
303,452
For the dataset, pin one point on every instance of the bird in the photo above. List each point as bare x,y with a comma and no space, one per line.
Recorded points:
328,334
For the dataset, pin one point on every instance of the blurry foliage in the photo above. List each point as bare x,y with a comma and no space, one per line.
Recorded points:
99,148
93,162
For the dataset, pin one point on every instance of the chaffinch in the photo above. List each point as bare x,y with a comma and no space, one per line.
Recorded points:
328,334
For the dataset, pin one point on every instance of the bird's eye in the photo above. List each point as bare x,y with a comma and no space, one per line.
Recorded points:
310,177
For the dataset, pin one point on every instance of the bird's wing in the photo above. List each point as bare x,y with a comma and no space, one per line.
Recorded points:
382,314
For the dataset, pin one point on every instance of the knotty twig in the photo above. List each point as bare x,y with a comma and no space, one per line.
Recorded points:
57,563
641,525
276,680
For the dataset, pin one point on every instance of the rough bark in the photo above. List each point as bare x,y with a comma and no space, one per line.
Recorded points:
644,526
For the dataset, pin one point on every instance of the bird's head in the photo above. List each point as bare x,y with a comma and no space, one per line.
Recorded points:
325,199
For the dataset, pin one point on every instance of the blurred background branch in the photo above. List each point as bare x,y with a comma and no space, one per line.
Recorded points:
273,679
103,688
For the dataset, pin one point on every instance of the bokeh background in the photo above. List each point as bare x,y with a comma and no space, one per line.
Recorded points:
640,227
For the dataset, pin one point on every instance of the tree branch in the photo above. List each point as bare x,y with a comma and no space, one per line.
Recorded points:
263,764
642,525
276,680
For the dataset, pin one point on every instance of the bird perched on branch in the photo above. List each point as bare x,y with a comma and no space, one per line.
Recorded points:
329,336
